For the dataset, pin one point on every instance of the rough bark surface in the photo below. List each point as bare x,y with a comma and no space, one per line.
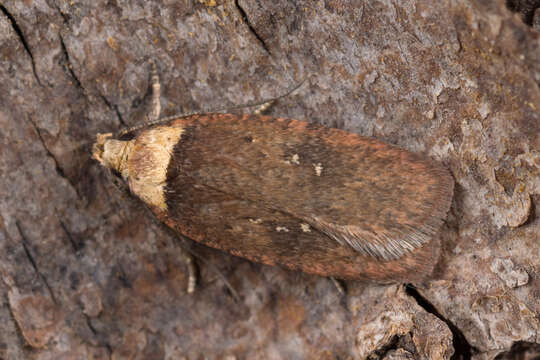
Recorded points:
86,272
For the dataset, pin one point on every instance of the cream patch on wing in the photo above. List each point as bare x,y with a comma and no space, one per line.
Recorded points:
148,163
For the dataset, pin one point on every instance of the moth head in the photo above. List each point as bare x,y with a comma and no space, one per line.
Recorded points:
112,153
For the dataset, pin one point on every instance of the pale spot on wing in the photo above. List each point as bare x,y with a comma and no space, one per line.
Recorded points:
305,227
318,169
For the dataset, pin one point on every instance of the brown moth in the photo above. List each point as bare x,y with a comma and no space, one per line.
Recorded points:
288,192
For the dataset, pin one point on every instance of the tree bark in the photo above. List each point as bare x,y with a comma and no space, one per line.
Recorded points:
87,272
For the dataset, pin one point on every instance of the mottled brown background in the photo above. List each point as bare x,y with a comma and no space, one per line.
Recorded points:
86,273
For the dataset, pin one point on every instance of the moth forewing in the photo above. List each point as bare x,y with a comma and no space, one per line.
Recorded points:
290,193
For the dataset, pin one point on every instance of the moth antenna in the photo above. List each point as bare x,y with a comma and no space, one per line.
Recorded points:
262,108
263,103
153,115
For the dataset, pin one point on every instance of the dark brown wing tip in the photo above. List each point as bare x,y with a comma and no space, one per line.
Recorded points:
442,197
388,245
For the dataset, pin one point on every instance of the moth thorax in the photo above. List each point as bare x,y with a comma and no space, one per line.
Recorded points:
142,162
113,153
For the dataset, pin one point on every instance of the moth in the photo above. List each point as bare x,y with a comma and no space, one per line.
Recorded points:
287,192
